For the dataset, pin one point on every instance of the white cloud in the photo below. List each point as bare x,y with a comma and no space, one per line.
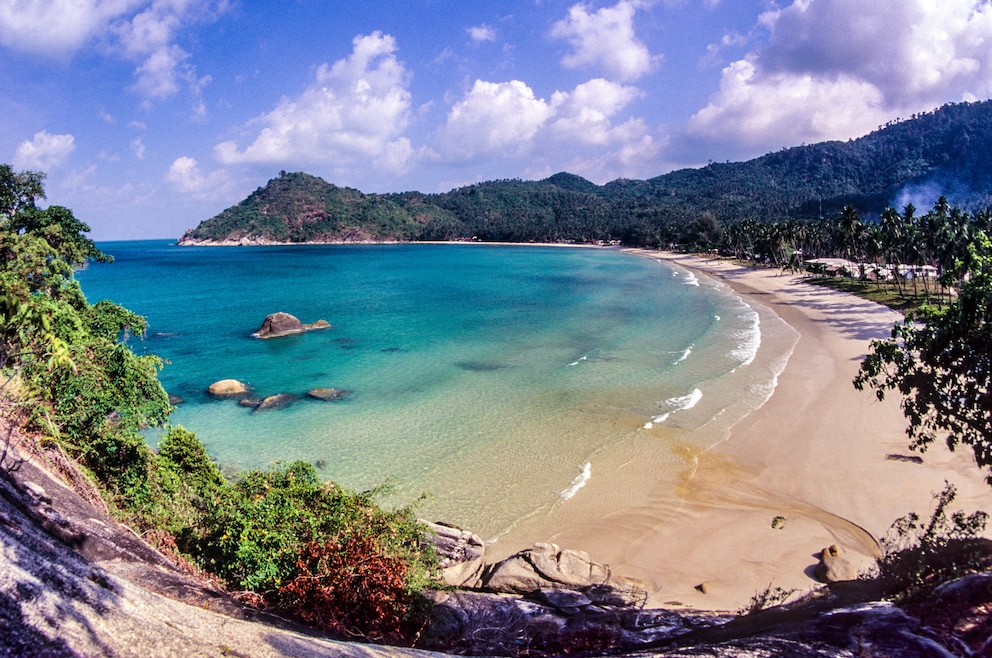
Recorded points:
356,109
138,148
494,118
481,33
186,176
44,152
144,31
834,69
576,130
605,39
150,37
585,114
56,28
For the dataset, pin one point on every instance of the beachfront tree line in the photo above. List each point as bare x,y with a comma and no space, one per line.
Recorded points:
929,253
71,386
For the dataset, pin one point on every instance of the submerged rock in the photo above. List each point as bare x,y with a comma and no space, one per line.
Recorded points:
328,394
279,401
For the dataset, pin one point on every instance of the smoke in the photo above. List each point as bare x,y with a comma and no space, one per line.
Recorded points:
925,194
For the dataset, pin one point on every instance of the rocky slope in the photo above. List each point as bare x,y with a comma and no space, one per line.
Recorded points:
75,583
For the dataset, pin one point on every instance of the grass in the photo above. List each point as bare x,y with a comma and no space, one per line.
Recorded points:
883,293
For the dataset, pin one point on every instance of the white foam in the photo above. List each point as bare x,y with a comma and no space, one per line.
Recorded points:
684,402
576,362
690,279
750,339
679,403
578,482
685,355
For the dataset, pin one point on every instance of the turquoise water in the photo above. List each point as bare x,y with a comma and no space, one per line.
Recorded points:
471,368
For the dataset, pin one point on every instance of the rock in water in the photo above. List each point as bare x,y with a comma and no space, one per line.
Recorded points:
280,324
275,402
328,394
284,324
227,388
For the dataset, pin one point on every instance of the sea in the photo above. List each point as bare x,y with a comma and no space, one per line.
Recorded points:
484,382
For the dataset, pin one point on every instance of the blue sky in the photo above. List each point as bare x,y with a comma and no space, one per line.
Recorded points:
150,116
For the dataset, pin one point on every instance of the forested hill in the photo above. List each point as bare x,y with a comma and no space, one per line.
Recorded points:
944,152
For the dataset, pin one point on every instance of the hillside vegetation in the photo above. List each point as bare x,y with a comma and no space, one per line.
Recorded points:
944,152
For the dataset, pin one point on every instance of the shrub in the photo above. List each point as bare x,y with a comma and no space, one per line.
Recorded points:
350,586
918,556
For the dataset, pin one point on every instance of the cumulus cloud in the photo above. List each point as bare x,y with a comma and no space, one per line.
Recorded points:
56,28
356,108
150,37
605,39
834,69
143,31
187,177
44,152
575,130
482,33
494,118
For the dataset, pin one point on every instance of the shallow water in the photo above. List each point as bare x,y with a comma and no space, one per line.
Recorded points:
492,377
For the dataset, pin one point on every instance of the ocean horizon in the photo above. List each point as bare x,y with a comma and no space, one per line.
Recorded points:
492,378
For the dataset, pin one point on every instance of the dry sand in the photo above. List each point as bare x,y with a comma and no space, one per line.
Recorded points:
818,453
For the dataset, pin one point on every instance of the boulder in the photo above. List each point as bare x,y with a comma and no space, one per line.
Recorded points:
545,566
319,324
278,401
250,401
280,324
284,324
460,553
227,388
328,394
833,567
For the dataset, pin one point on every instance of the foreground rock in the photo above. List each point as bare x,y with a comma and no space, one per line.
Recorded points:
545,566
74,583
284,324
462,554
227,388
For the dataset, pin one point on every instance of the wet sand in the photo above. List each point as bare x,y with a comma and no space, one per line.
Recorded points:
818,453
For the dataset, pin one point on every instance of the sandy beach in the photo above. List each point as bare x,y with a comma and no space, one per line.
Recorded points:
818,453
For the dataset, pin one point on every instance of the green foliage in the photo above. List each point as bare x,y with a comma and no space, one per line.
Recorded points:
181,454
940,362
256,530
923,554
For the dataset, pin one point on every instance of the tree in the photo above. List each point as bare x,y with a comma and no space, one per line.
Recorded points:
941,363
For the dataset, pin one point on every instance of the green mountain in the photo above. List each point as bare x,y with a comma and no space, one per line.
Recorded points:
944,152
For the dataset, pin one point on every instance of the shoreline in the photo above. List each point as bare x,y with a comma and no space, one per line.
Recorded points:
818,452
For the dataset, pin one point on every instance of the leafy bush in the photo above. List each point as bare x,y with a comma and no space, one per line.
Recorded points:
351,586
920,555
